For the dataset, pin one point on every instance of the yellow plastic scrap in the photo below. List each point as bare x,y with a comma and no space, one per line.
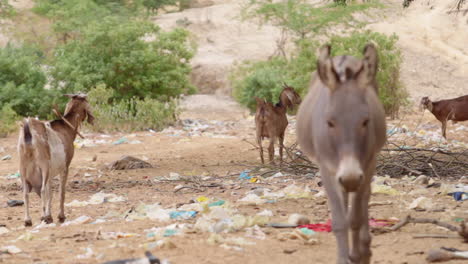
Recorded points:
252,180
384,189
202,199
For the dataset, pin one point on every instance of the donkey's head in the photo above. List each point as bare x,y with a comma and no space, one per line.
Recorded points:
78,108
289,97
348,113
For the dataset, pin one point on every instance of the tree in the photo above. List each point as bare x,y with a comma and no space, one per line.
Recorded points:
133,57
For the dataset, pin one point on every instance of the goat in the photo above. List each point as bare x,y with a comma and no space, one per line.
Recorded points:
455,109
45,150
271,120
341,125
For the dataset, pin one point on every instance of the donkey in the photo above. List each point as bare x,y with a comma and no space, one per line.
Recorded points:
271,120
341,125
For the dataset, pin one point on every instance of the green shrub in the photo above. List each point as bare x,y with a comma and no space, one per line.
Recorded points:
8,118
114,52
22,81
129,114
264,79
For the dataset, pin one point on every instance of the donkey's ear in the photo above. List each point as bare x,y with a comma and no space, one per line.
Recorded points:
325,69
370,64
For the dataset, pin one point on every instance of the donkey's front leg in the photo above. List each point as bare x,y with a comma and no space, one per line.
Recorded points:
359,222
336,201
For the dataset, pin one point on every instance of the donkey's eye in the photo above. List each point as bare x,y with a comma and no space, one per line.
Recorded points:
365,123
330,124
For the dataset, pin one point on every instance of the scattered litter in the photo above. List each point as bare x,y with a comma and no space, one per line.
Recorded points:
174,176
129,163
421,180
88,254
321,227
217,203
98,198
115,235
244,176
383,189
202,199
305,235
13,176
135,142
28,236
378,203
170,232
183,214
10,250
460,196
84,219
252,199
44,225
7,157
151,211
255,232
421,203
4,230
120,141
266,212
298,219
13,203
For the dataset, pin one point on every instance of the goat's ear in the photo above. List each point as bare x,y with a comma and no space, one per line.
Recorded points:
72,96
259,101
370,64
90,117
325,69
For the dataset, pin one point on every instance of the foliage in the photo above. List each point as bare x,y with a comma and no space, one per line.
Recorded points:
6,9
301,18
264,79
22,81
129,114
8,118
133,57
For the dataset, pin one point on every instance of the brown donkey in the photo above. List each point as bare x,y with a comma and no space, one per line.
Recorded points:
341,125
271,120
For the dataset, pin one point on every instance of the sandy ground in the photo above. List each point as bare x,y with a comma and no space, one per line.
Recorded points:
213,149
215,153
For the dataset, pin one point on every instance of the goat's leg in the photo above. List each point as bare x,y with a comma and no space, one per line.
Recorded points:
336,201
281,146
271,150
46,195
27,217
259,141
63,182
444,128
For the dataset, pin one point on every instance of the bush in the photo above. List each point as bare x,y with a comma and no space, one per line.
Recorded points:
129,114
22,81
264,79
135,58
8,118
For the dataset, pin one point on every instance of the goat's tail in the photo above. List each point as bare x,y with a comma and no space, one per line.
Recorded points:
27,132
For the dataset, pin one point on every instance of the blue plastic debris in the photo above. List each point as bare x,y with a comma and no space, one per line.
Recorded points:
460,196
170,232
183,214
120,141
244,176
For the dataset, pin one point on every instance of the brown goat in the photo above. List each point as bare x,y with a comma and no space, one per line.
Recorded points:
271,120
45,150
455,109
341,125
